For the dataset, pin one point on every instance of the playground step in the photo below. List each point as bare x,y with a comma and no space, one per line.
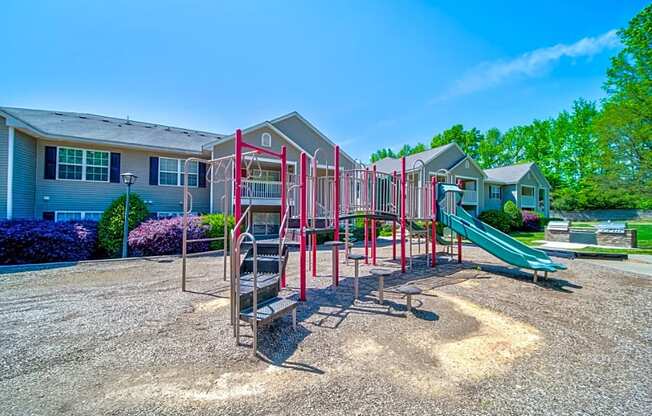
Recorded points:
266,264
268,286
270,310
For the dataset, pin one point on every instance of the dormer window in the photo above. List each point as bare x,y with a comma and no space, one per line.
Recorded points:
266,140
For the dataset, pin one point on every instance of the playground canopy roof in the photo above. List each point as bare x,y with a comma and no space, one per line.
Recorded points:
60,125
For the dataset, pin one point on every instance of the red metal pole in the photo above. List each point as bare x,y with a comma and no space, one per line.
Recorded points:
366,220
284,191
336,210
237,176
314,216
394,201
403,224
434,220
373,211
303,215
459,237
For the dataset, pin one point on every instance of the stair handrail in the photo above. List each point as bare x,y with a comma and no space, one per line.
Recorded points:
235,263
282,231
236,290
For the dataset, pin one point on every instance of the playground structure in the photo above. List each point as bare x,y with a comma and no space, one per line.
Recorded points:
411,202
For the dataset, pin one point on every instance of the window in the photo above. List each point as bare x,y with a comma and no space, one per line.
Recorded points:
82,165
60,216
266,175
527,191
494,192
266,140
170,172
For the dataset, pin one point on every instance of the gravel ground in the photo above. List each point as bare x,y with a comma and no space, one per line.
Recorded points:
121,338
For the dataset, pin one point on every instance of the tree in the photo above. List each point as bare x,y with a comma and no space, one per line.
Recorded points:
625,126
468,140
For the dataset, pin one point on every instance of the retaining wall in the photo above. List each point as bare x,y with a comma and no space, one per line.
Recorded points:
604,215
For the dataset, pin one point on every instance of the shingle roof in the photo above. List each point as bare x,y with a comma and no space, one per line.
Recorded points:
508,174
111,130
389,164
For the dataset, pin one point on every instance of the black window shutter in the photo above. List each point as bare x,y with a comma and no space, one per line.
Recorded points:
48,215
50,166
153,170
202,175
115,168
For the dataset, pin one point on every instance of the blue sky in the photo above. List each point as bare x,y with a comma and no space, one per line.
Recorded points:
369,74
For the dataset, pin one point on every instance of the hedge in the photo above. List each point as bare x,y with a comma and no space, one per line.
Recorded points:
29,241
215,228
496,218
515,215
164,236
111,226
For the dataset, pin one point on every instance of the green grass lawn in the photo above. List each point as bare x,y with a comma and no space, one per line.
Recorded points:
528,237
643,234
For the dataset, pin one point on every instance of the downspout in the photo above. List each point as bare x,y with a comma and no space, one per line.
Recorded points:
10,173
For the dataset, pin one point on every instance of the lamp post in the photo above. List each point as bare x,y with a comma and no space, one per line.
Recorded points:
128,179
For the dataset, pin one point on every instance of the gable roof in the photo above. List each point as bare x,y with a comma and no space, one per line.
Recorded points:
272,125
253,128
473,162
60,125
390,164
514,173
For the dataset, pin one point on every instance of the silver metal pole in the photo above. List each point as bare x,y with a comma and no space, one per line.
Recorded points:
125,231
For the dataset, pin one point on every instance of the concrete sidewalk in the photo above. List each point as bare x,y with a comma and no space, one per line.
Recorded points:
637,263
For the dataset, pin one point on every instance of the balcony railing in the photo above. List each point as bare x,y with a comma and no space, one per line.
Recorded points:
470,196
260,189
528,201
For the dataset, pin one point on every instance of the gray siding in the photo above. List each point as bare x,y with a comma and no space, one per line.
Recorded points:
296,131
508,193
309,140
492,203
445,160
472,172
254,137
24,175
4,137
62,195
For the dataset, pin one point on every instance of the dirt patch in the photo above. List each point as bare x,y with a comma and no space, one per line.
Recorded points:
211,305
420,360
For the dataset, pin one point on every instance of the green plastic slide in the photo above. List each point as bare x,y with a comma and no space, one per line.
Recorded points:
493,241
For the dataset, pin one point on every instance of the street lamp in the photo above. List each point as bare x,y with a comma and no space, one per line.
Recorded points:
128,179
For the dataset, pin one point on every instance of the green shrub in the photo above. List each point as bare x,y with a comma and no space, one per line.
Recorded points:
111,225
515,215
215,224
497,219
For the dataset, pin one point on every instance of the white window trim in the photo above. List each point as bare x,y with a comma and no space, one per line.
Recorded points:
491,193
534,190
265,136
83,179
179,172
83,213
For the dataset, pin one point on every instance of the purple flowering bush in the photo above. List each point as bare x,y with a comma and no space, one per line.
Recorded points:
30,241
163,236
531,221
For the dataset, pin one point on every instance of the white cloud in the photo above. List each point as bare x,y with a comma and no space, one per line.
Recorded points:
529,64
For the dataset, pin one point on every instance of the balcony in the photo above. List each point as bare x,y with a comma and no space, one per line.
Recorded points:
470,197
260,192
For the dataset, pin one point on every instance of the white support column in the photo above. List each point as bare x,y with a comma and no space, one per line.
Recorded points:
10,173
210,184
